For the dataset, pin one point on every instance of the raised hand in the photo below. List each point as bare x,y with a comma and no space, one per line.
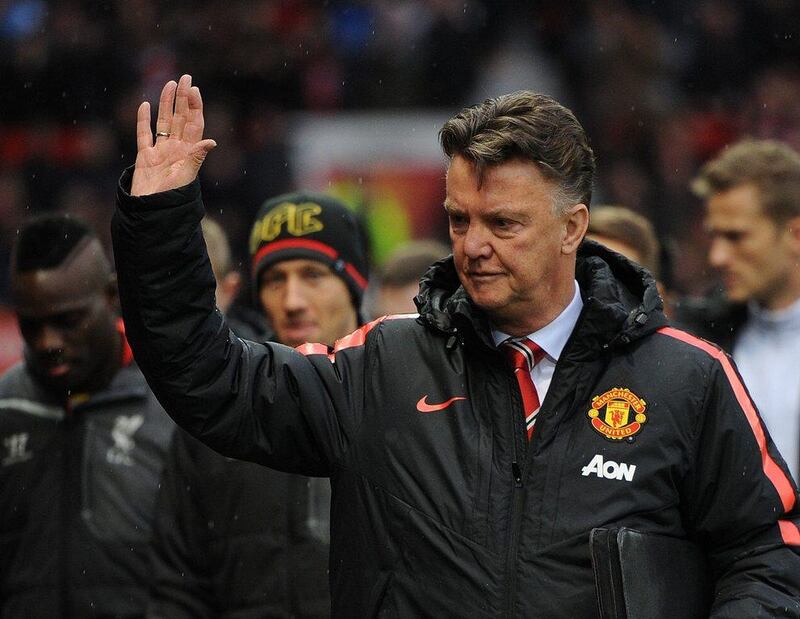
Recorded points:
179,149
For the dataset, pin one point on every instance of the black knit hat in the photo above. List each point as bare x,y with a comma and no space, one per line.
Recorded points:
313,226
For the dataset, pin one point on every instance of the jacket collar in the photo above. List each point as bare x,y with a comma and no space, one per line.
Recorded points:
621,303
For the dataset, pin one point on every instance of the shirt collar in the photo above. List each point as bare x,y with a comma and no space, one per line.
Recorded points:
787,317
552,337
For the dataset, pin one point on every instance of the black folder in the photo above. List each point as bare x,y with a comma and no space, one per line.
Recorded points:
645,576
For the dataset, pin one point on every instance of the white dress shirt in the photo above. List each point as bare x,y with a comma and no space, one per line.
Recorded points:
767,352
551,338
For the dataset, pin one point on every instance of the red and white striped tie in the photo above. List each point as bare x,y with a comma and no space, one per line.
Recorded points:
524,354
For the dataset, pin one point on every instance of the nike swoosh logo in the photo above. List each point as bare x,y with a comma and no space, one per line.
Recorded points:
424,407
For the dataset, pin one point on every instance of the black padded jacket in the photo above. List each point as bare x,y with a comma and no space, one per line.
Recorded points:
450,513
235,539
78,484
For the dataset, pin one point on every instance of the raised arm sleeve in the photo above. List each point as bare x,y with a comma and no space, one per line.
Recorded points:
262,402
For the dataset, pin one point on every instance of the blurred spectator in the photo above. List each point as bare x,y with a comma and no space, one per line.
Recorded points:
83,438
13,202
773,111
661,86
236,539
627,233
633,236
752,195
723,47
398,281
229,281
10,339
242,318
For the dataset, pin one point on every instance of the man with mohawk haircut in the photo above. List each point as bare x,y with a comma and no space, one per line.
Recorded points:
82,438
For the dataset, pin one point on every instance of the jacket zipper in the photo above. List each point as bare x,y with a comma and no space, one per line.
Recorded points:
516,506
64,538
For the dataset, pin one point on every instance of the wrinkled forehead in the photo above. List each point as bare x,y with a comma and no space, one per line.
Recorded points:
78,281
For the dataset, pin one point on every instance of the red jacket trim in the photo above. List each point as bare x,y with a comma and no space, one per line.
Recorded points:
774,473
789,532
127,353
356,338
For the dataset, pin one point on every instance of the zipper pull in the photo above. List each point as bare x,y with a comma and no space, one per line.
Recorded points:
452,340
515,470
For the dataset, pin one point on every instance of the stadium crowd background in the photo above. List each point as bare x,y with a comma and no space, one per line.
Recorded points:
661,86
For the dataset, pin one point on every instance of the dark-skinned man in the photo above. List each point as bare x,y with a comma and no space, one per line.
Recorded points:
539,394
83,438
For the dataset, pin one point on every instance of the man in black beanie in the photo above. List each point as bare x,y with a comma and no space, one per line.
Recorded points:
238,539
314,240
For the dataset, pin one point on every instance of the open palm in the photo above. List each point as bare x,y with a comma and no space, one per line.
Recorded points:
175,157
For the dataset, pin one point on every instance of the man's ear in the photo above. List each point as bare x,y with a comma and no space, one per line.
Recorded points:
228,289
575,226
793,229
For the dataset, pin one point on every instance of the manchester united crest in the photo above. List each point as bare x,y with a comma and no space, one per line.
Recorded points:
618,413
